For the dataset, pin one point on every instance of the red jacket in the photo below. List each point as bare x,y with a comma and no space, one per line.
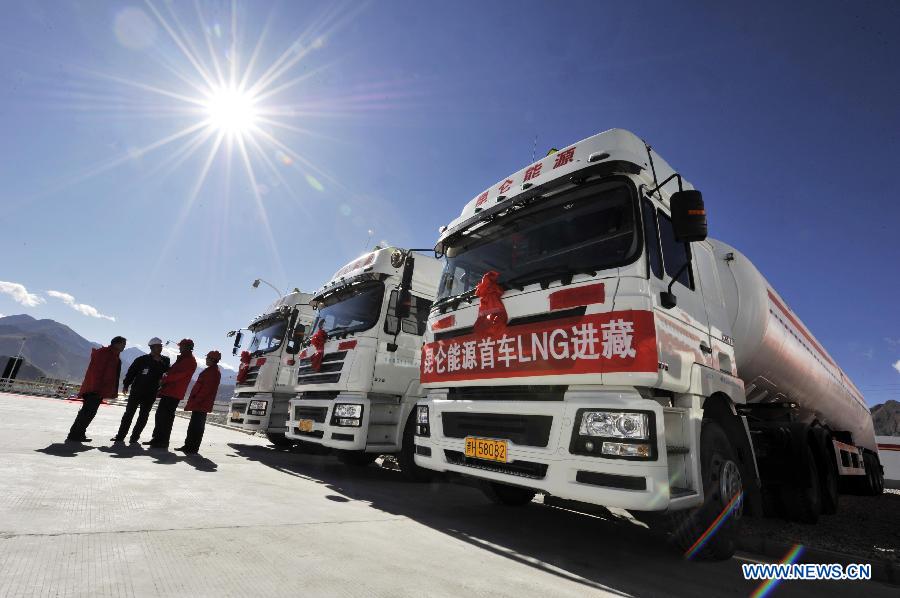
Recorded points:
203,395
176,380
102,375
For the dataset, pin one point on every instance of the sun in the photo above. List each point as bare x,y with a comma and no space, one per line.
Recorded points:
231,111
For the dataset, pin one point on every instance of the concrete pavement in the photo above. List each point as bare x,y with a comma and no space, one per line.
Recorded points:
243,519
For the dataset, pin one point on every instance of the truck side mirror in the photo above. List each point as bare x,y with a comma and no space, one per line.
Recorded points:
404,304
296,340
237,342
688,216
391,319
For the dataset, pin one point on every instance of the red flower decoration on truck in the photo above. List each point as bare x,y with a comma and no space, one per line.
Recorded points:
317,341
491,313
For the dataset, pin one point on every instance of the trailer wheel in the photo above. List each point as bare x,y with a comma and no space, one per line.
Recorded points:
407,457
510,496
356,458
280,441
722,481
804,504
829,482
874,477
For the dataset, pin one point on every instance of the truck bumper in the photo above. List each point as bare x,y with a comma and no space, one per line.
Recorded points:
347,438
239,415
552,469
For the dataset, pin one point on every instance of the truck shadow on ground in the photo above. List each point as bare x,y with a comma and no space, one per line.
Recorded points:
598,549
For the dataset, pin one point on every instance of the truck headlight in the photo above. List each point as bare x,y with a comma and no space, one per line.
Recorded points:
422,426
347,415
615,424
346,410
614,434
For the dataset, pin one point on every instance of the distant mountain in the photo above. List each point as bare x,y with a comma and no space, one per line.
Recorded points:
50,346
26,370
886,418
128,356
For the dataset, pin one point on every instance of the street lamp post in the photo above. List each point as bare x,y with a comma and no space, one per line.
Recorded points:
274,288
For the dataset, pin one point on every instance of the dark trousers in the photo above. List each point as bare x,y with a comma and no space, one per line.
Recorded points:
90,404
135,401
195,431
165,417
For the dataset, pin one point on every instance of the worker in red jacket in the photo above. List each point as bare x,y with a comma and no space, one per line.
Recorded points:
171,392
201,401
101,381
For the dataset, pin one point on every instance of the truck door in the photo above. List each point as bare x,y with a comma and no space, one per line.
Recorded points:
682,331
719,326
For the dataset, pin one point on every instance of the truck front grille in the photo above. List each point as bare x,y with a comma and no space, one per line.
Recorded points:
329,373
524,430
508,393
524,469
252,375
317,414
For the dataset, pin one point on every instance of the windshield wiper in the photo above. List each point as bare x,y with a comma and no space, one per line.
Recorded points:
455,299
341,331
545,276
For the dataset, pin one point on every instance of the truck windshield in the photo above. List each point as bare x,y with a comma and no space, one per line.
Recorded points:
585,230
267,336
352,310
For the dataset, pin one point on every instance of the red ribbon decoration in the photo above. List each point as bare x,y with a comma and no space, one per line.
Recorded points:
317,341
491,313
244,368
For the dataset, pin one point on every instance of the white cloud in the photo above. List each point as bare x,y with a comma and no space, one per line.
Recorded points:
227,366
20,294
82,308
894,342
897,365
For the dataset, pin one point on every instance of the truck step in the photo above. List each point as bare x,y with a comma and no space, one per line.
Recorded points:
677,450
680,492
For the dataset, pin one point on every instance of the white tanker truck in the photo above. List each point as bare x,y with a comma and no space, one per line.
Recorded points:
588,342
358,381
265,379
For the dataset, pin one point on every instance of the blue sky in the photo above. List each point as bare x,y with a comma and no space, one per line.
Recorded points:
785,115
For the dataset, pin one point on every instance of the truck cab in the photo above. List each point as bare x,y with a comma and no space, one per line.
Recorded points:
357,381
265,378
588,342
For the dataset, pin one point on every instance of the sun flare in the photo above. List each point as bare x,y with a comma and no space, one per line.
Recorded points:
231,111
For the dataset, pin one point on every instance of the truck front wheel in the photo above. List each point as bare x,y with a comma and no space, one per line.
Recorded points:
280,440
407,457
699,532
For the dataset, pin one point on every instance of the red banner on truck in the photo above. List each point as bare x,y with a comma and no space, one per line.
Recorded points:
623,341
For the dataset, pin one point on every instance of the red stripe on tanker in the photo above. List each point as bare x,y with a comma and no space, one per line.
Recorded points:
623,341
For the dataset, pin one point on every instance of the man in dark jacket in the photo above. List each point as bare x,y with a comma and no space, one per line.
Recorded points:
174,385
201,401
143,377
101,381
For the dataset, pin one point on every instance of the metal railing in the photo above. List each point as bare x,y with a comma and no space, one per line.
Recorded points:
46,387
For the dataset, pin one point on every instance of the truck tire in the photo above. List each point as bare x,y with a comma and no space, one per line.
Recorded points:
721,476
356,458
407,457
874,484
280,441
829,481
804,504
506,495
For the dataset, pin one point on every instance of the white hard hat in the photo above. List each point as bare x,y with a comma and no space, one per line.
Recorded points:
155,341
